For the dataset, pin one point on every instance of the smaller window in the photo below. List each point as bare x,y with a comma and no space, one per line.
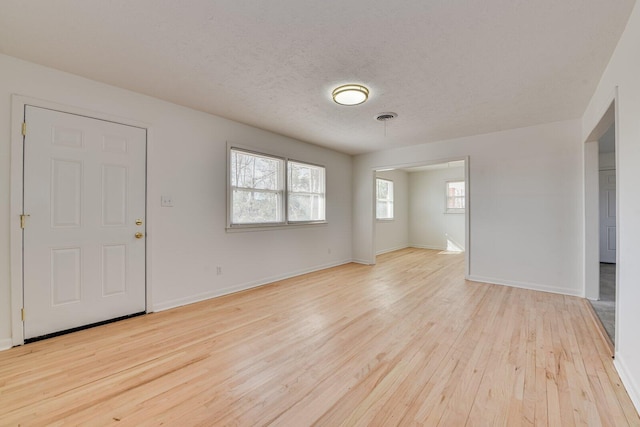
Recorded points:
384,199
455,200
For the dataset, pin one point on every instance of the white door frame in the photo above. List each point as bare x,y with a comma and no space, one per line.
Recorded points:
18,103
592,204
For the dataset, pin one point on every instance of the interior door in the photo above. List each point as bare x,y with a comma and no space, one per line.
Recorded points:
84,228
608,216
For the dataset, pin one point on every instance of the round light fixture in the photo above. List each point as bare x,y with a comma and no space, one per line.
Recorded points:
350,94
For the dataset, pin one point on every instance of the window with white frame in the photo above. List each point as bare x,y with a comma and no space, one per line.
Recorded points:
306,192
259,193
257,188
384,199
455,197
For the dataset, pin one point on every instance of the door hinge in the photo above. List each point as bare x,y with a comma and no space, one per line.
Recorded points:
22,314
23,220
24,128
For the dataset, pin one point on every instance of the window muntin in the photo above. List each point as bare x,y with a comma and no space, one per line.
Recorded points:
260,195
306,192
455,197
384,199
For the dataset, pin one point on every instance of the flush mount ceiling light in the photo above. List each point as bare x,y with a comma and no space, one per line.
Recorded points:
350,94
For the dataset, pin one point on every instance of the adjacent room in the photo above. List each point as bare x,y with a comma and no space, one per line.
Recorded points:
421,207
328,213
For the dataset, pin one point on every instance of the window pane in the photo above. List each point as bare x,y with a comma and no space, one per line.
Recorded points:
455,196
383,189
384,199
306,207
456,188
384,210
306,178
254,171
456,203
255,207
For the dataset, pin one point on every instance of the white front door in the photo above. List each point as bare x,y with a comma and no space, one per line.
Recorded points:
608,216
84,202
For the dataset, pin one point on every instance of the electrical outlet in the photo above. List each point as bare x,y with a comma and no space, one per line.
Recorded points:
218,270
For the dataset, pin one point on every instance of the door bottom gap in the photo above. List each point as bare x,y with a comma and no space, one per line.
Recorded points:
80,328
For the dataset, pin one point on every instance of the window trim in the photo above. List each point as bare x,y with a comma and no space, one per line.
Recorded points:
393,200
448,210
285,223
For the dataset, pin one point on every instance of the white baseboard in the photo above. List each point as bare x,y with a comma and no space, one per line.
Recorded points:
361,261
526,285
240,287
435,248
397,248
5,344
627,380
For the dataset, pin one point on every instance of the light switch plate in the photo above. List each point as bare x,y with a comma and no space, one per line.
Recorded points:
166,201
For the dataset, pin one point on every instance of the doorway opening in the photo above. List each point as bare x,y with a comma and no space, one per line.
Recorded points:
601,233
422,205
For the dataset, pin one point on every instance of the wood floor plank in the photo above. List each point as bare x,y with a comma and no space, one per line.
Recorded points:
405,342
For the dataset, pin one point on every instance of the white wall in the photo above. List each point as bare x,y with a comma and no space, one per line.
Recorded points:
429,226
394,234
186,159
525,206
623,72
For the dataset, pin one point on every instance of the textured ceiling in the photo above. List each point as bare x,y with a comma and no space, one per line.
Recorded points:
449,68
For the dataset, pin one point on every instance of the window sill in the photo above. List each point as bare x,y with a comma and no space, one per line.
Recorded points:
267,227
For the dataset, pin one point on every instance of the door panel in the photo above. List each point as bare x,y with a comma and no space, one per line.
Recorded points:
608,216
65,276
84,189
114,268
66,189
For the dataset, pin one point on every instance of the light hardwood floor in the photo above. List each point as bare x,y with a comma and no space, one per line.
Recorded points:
405,342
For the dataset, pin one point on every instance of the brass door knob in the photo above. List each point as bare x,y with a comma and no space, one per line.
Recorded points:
139,235
138,221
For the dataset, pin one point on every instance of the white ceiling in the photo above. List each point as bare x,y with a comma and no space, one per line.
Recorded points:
449,68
